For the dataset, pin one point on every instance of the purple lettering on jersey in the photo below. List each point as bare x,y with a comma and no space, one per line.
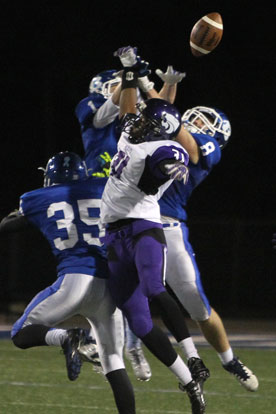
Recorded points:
170,152
119,162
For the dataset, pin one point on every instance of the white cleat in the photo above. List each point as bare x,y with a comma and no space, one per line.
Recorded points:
139,364
243,374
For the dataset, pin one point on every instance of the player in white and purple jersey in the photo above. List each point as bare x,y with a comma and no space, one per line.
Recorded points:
207,132
145,165
66,211
99,125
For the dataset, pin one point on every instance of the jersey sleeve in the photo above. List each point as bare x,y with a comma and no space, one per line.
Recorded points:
210,152
105,114
86,109
167,154
154,174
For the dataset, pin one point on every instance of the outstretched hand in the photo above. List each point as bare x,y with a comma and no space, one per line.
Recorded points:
171,76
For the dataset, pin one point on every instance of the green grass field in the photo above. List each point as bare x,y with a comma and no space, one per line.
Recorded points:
35,381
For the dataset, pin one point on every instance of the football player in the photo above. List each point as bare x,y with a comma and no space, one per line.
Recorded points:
66,211
146,163
207,131
100,130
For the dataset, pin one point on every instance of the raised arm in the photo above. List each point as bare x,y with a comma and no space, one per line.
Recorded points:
134,68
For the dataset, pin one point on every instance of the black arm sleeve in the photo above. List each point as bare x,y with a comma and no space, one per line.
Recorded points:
14,223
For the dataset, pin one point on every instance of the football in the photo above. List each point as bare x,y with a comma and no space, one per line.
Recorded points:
206,34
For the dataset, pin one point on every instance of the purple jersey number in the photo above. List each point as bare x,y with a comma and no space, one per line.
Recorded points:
119,162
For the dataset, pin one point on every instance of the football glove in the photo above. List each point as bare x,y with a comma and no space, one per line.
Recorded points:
177,171
171,76
145,84
129,59
127,56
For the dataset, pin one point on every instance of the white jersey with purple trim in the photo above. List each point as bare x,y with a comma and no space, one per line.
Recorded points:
137,181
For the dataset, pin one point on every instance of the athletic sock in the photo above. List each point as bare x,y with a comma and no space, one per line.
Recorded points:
181,371
226,356
188,347
122,391
56,337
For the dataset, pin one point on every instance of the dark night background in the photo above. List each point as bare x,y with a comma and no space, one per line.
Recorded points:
50,50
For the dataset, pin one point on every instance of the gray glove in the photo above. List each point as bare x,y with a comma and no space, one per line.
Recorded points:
178,171
127,56
171,77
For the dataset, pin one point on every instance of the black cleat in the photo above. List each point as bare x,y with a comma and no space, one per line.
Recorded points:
72,356
196,397
198,371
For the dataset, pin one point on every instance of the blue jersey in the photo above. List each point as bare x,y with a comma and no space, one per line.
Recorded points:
68,216
98,143
174,200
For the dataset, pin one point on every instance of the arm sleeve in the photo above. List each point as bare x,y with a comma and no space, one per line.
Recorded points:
105,114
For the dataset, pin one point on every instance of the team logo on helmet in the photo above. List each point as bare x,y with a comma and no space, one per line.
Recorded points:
170,123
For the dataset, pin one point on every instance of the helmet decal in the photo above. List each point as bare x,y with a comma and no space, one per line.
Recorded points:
170,123
103,82
64,167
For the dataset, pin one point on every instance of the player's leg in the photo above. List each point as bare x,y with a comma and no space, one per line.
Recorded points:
134,353
48,308
156,340
126,290
183,277
108,327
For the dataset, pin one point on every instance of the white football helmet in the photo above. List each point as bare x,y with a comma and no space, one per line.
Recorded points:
213,122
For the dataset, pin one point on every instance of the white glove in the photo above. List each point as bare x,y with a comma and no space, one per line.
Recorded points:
171,77
178,171
145,84
127,56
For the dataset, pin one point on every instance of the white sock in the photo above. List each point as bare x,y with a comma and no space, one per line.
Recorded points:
226,356
188,347
181,371
55,337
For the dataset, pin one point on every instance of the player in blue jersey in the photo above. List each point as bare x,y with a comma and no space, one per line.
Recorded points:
66,211
207,131
146,163
98,118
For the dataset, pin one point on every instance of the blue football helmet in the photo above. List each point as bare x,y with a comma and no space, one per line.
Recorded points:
158,120
211,121
64,167
103,82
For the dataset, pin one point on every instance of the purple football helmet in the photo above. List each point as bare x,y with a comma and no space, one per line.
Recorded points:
210,121
158,120
64,167
103,82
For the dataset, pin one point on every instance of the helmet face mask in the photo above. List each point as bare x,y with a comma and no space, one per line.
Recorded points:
64,167
158,120
210,121
104,82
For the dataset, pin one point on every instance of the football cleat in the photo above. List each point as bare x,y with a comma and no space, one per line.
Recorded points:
199,371
196,397
88,351
72,356
139,364
243,374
